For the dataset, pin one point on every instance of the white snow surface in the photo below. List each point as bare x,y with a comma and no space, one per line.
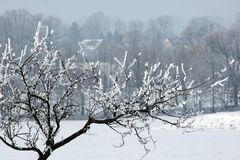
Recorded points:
221,120
218,138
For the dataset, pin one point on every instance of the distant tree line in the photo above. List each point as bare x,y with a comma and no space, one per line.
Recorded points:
204,45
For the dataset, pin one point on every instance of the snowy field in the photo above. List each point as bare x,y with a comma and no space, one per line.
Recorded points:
215,137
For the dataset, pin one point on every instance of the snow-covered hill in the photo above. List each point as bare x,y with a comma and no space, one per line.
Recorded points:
214,121
221,120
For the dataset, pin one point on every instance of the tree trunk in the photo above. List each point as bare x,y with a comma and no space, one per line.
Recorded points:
44,156
213,90
83,104
235,96
213,100
222,98
200,103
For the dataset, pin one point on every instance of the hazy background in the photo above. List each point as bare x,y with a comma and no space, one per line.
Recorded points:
76,10
202,34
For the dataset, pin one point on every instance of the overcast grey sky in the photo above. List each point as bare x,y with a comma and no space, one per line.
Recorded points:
70,10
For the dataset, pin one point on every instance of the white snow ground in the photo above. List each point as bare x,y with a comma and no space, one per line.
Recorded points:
218,138
221,120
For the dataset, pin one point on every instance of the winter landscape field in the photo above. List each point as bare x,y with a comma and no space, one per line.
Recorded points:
120,80
212,137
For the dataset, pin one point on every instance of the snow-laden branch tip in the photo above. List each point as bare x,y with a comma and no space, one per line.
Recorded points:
232,61
219,83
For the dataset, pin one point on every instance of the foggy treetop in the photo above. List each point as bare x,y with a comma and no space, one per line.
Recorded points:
76,10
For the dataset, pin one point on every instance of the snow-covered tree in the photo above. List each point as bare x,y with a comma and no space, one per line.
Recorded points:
39,89
226,43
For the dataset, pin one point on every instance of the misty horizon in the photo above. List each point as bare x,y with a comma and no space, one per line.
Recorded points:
222,11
